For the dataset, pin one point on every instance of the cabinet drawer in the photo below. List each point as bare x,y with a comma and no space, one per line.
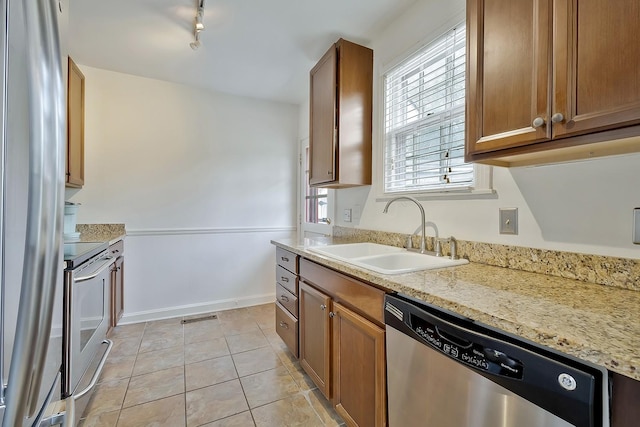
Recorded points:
117,249
361,297
287,328
287,259
287,279
287,299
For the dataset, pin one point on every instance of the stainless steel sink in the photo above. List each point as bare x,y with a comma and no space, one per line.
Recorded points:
385,259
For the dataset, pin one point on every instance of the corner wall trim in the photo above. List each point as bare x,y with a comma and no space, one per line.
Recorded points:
217,230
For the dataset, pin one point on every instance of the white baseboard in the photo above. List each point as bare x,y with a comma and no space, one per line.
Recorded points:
189,310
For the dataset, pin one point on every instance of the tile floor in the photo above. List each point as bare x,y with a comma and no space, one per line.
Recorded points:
231,371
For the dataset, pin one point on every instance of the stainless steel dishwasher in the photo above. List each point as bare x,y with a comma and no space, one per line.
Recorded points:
444,370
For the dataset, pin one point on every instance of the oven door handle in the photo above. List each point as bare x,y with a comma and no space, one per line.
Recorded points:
107,263
97,373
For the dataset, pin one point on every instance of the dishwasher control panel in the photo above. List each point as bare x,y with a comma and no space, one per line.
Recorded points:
467,352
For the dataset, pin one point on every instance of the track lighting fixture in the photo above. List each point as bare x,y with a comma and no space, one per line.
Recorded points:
196,43
198,25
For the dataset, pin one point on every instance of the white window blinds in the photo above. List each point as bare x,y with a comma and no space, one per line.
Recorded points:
424,119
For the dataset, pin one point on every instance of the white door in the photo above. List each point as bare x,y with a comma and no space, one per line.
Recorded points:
315,213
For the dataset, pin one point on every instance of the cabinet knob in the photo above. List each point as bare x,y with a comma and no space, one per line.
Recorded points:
557,118
323,307
331,314
284,298
538,122
284,325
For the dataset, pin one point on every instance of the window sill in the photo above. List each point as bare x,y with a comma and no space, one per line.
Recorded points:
460,194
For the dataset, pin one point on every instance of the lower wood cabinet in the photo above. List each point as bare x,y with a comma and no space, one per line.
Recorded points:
342,346
359,379
315,338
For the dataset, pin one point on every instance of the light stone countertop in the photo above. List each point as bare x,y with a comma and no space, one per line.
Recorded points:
597,323
110,233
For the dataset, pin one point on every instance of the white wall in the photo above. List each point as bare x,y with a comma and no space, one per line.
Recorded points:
202,181
581,207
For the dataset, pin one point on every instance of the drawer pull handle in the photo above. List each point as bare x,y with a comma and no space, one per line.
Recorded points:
284,279
284,298
322,307
284,258
284,325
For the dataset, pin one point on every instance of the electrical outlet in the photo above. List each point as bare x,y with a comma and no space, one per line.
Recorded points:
509,221
636,226
346,215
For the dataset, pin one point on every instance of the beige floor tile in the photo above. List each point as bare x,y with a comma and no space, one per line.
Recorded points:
215,402
292,411
241,420
199,351
232,327
202,331
271,335
209,372
254,361
154,386
160,339
157,360
167,324
106,419
125,347
244,342
168,412
117,367
268,386
284,354
300,376
127,331
107,397
237,314
324,409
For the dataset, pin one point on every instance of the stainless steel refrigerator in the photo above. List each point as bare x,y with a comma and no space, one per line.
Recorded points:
32,130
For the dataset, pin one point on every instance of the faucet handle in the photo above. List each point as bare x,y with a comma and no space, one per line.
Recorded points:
438,248
409,243
453,247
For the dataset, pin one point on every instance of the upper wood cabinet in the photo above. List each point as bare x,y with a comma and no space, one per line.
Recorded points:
75,126
551,80
340,117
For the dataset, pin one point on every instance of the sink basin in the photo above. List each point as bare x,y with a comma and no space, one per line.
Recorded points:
385,259
355,250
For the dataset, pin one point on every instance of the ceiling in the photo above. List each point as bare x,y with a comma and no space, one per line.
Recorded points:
256,48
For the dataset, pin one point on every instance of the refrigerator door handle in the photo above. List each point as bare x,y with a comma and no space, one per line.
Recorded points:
42,261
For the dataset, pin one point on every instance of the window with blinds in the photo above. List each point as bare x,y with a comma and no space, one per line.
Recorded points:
424,119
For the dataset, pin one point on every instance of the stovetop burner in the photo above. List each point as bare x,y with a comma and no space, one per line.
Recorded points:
76,253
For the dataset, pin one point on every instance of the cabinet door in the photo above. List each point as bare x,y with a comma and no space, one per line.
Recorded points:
322,143
75,126
596,63
315,332
359,386
508,73
117,291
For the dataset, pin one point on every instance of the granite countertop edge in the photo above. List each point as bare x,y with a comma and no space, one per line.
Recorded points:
596,323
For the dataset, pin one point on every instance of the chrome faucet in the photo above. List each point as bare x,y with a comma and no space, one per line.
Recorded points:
453,247
422,239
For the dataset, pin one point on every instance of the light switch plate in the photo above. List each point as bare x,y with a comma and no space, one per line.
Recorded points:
636,226
509,221
346,216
